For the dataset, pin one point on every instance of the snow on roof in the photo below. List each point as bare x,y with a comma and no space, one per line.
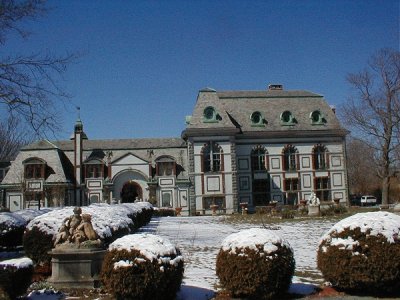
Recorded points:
374,223
18,263
150,246
251,238
9,220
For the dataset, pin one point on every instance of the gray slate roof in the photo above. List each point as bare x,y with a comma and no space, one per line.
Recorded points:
236,107
117,144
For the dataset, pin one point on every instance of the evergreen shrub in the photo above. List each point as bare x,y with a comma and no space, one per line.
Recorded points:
255,264
361,254
11,230
15,277
37,244
142,266
164,212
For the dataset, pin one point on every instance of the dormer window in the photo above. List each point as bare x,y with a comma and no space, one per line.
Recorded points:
94,168
317,118
257,119
34,168
287,118
210,115
166,166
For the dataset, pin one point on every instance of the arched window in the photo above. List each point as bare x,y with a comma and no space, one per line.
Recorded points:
210,115
259,159
287,118
257,119
317,118
320,159
212,157
290,158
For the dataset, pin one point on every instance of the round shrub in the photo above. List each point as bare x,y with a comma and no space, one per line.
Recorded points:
15,276
142,266
255,263
12,229
362,253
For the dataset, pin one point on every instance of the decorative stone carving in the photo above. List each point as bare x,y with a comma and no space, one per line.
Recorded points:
77,231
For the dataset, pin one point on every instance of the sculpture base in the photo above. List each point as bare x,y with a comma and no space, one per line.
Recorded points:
313,210
76,268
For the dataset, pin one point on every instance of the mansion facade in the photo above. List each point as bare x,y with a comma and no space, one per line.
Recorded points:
250,147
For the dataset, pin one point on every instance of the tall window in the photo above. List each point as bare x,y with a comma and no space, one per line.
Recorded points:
212,157
261,192
322,188
319,157
258,159
289,158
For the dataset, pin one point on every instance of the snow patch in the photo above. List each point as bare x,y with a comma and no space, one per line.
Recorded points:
151,246
19,263
380,223
253,238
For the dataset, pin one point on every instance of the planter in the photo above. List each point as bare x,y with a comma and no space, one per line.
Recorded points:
214,208
337,201
178,211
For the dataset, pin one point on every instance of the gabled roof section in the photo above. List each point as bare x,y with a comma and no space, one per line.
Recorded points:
235,109
129,158
55,160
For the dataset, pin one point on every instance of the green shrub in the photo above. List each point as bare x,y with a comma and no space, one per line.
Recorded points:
361,253
11,230
288,213
133,270
15,276
256,264
37,244
164,212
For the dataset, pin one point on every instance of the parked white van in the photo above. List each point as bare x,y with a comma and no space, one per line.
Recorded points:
368,200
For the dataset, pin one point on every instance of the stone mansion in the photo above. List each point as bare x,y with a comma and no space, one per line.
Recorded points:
238,146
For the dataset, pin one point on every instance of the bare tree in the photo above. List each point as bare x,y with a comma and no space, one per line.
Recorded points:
12,138
361,167
374,111
29,84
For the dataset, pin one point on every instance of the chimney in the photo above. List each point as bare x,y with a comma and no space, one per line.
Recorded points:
333,109
275,87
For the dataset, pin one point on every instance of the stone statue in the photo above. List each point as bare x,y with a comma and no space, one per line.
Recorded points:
76,230
313,200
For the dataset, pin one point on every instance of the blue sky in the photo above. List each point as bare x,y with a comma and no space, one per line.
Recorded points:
144,62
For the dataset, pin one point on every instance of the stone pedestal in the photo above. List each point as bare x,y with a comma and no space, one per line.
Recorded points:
313,210
76,268
396,208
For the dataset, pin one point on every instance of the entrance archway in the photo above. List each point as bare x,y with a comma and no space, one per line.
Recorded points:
130,191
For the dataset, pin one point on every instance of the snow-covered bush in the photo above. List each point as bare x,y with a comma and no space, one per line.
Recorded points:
142,266
362,253
15,276
109,221
255,263
12,228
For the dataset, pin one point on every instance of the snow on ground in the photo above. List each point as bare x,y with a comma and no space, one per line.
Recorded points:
200,238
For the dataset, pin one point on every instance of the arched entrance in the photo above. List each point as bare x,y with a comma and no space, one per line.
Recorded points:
130,191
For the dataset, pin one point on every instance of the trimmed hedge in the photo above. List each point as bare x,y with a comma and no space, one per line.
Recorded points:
109,221
15,276
132,268
256,264
361,254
